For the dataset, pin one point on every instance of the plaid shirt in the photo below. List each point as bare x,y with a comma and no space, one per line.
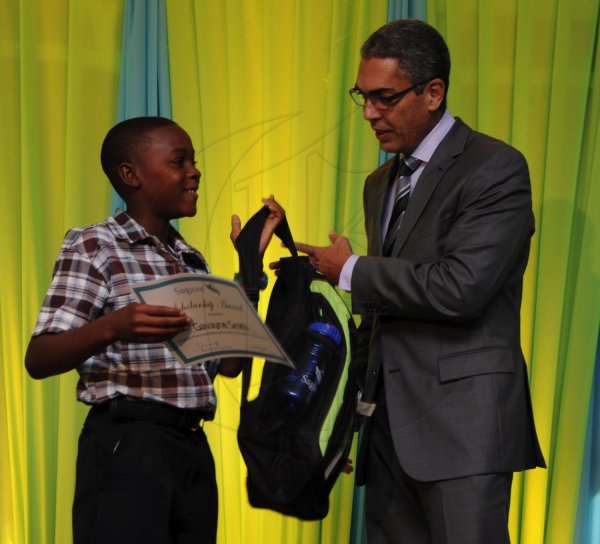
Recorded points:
93,272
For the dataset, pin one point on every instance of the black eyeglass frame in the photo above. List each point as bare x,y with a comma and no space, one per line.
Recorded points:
380,102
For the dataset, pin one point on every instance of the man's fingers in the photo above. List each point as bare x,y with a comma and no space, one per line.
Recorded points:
305,248
333,236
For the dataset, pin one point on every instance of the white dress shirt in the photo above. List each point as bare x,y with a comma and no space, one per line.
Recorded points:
423,152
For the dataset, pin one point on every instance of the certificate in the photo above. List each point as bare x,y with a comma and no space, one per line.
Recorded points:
224,322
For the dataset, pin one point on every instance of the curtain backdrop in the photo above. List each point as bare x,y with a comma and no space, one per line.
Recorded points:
588,518
519,75
59,73
261,86
262,89
526,72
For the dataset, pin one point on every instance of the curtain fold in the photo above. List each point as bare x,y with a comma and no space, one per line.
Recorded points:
59,64
144,85
526,73
396,9
588,520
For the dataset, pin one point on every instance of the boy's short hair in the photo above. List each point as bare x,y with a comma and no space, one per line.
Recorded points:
122,142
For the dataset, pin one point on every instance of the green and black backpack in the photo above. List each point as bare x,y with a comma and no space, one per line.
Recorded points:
295,446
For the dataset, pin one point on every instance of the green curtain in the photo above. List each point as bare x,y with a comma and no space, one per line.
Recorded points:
59,75
261,87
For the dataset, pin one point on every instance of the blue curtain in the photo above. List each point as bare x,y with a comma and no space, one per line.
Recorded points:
588,519
404,9
144,84
397,9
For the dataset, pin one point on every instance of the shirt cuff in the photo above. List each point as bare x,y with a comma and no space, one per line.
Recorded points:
345,282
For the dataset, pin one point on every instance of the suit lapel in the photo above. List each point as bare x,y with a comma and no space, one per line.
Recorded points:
442,159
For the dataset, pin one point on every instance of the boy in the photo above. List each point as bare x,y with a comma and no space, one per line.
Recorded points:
145,472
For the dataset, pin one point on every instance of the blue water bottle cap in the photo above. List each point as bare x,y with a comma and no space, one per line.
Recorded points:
327,330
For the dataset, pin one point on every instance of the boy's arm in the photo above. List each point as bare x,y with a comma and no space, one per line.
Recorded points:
54,353
231,367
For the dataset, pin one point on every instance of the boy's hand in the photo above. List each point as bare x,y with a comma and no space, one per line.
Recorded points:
273,220
146,323
50,354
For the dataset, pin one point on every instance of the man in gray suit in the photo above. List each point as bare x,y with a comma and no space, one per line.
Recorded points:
448,220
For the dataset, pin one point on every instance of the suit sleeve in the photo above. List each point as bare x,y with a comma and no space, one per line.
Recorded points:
487,240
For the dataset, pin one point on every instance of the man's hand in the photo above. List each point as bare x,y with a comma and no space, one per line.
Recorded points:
273,220
329,260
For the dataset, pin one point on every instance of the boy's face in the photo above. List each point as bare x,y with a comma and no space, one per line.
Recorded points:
167,173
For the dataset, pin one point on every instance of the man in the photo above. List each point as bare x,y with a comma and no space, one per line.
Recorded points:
448,221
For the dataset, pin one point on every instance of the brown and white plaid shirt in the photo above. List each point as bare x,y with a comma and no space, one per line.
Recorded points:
93,272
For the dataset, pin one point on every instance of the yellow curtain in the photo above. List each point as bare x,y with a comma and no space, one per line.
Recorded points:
59,65
262,88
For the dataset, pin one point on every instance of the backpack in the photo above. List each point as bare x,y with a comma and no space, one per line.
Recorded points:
293,461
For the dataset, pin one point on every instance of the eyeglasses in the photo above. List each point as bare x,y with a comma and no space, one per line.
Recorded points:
380,102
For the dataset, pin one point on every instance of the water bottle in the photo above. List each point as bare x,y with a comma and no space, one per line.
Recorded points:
301,385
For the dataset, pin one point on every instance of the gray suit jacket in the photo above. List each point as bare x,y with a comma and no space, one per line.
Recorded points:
441,316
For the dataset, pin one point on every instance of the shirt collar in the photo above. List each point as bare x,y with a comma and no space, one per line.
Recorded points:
128,229
429,144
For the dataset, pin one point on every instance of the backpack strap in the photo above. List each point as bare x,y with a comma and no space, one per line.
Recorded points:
251,266
247,244
284,233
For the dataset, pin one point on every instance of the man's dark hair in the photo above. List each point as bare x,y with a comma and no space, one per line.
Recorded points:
420,50
123,141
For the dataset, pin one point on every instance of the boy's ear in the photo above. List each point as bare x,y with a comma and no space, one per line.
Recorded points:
128,175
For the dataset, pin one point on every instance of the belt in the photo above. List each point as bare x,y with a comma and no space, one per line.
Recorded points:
163,414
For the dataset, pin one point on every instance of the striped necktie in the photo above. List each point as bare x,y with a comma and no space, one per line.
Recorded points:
407,166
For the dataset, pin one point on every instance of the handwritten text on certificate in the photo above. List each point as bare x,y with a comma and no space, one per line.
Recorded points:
225,324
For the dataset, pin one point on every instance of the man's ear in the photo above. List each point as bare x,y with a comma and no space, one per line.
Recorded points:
129,176
435,93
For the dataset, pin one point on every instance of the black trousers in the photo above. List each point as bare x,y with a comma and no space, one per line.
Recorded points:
143,482
402,510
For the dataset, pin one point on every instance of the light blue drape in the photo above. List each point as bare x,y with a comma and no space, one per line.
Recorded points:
588,519
144,84
397,9
404,9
